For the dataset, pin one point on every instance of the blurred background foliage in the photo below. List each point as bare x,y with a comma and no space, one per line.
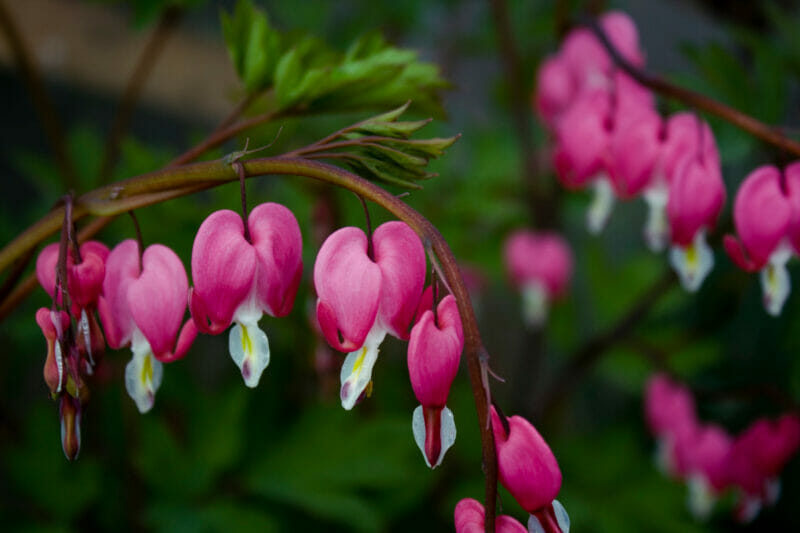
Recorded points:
213,456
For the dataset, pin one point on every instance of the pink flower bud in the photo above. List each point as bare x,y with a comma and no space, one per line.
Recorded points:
84,280
667,405
469,517
434,351
361,298
526,466
69,413
53,323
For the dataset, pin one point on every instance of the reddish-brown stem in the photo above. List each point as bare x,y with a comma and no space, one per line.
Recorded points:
139,239
41,102
696,100
147,60
243,193
368,222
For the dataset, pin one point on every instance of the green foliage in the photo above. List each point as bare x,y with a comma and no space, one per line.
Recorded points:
306,75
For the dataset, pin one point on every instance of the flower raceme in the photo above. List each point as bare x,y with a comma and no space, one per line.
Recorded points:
528,469
143,307
766,214
540,264
237,280
434,351
364,291
469,517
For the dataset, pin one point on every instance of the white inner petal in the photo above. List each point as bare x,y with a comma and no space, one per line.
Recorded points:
448,436
356,371
249,349
143,373
418,428
656,228
561,516
534,526
694,262
83,329
602,203
535,305
772,490
700,499
749,508
775,282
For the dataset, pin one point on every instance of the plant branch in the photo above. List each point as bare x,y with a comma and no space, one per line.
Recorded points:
41,102
147,60
696,100
593,349
155,187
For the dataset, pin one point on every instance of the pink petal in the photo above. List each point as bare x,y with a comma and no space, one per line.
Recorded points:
469,516
401,258
348,286
86,280
792,175
541,257
555,89
157,299
223,271
733,246
279,246
121,269
696,197
635,152
46,268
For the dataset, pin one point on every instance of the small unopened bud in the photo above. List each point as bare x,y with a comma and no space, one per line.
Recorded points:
69,411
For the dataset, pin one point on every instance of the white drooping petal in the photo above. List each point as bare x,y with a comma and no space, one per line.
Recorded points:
59,357
447,436
656,228
694,262
772,490
83,329
663,455
249,349
749,507
535,304
602,203
775,282
700,498
562,517
356,371
534,526
143,373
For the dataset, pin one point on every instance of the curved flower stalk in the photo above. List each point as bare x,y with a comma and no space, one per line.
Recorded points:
530,472
540,265
696,198
434,351
84,285
362,296
469,517
237,279
142,306
766,214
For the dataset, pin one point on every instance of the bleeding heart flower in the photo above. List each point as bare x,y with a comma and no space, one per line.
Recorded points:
144,308
469,517
540,264
702,457
434,351
671,416
53,323
362,298
764,212
529,470
696,197
236,280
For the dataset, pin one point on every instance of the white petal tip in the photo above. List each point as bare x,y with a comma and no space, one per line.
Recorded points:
447,435
602,204
693,263
249,349
562,517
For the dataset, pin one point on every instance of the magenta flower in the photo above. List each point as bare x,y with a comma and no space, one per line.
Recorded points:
236,280
469,517
84,285
696,197
765,213
361,298
540,264
434,351
529,470
702,458
143,308
555,89
756,459
670,414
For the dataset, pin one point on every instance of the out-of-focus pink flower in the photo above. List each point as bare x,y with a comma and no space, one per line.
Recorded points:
540,264
434,351
144,308
670,414
362,298
528,469
696,197
702,459
469,517
236,280
765,213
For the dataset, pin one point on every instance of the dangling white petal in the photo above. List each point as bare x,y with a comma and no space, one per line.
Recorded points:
249,348
418,428
535,304
83,329
602,203
55,319
534,526
561,516
748,510
656,228
143,373
447,436
772,490
356,371
775,282
694,262
700,499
